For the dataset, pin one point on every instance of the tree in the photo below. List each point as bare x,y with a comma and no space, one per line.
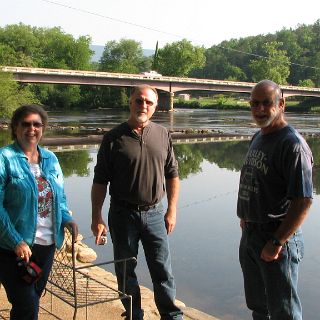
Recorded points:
60,50
63,96
155,58
180,58
275,67
218,66
124,56
7,56
12,95
306,83
23,44
75,162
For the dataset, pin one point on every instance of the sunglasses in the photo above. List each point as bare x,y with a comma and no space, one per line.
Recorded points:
27,124
266,103
140,102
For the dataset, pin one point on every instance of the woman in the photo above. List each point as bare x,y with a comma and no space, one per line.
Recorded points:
33,212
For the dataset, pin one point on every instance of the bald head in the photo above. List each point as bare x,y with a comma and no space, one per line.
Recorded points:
268,85
267,106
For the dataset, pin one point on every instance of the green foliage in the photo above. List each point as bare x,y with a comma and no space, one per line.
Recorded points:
124,56
189,160
20,41
62,51
22,45
64,96
101,96
306,83
242,59
12,95
75,162
180,58
155,58
5,137
288,56
227,155
218,67
275,67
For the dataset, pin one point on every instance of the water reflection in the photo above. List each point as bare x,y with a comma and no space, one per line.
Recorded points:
228,155
75,162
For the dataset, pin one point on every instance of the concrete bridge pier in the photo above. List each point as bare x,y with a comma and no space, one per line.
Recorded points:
165,101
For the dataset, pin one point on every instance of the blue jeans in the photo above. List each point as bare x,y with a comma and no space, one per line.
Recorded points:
271,287
25,297
127,228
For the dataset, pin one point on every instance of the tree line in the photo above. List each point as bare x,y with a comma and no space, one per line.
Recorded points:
289,56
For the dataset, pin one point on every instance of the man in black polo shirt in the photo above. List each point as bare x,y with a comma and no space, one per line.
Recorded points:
136,158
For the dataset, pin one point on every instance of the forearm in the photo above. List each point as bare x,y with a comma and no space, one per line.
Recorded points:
295,217
98,194
173,187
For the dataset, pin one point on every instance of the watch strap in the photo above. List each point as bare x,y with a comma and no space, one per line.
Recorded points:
275,241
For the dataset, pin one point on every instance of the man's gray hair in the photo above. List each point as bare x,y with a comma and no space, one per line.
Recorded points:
142,87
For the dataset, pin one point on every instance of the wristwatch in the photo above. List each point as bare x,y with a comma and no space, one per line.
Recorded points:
275,241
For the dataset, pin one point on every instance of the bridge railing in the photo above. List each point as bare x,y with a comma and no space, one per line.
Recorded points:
98,74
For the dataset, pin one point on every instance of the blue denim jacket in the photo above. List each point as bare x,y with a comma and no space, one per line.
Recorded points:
19,197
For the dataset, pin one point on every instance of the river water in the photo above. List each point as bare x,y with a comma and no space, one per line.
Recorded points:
204,245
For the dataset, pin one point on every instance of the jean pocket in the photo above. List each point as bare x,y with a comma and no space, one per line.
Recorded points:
296,244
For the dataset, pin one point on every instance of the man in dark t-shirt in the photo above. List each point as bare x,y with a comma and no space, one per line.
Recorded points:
275,194
136,159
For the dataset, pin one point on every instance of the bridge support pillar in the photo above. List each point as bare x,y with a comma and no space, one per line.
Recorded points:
165,101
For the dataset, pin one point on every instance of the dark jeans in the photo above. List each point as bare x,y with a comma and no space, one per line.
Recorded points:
127,228
25,297
271,287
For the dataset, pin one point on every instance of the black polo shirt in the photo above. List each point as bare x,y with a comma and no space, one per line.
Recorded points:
136,166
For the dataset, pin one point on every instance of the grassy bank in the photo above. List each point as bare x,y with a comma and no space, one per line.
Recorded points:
231,103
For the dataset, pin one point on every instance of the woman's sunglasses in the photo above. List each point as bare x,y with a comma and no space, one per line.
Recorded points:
29,124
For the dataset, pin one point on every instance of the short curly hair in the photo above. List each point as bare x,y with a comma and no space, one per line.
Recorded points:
24,110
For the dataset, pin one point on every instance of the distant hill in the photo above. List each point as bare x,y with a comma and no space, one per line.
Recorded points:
98,50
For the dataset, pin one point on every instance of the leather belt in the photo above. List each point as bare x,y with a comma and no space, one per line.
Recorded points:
133,206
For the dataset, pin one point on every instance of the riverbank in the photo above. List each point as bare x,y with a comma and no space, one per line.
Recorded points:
53,308
107,311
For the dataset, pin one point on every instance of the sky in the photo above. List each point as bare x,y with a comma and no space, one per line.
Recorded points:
203,22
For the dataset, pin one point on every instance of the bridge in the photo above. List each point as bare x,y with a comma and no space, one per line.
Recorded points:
168,86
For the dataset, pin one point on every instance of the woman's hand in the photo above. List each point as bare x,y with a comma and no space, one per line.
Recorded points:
23,251
73,228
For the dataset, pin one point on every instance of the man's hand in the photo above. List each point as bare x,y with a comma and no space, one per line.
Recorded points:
270,252
170,219
99,229
98,226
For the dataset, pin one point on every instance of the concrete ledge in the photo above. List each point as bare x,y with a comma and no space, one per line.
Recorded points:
194,314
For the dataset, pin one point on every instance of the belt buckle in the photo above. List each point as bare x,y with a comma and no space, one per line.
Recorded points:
143,207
